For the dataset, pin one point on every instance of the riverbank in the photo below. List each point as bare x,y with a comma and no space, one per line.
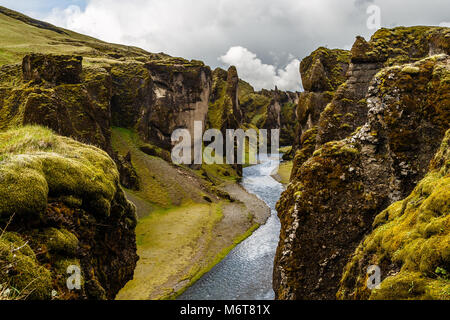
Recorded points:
177,246
246,272
188,220
283,174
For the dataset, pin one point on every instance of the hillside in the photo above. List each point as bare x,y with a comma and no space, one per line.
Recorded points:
22,35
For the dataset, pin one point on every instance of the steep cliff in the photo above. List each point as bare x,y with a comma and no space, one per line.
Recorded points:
410,243
61,205
394,108
322,73
269,109
224,109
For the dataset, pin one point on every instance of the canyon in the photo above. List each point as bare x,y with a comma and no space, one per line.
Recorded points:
86,176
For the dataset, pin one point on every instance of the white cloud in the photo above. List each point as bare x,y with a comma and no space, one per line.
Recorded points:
261,75
445,24
205,29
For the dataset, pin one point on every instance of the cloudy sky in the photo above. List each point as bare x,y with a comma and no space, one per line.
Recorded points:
265,39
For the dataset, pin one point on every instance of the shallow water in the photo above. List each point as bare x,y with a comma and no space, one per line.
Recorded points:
246,273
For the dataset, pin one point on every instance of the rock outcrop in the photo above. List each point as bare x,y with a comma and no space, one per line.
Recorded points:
322,73
224,108
61,206
269,109
155,98
44,91
374,144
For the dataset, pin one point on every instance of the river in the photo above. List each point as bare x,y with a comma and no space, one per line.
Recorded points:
246,272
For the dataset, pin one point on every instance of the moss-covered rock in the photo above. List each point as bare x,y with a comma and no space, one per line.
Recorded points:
52,68
324,69
322,74
387,47
21,271
335,195
80,110
410,243
401,45
224,109
63,199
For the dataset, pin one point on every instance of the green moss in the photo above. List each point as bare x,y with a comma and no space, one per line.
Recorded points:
324,69
414,236
20,270
59,241
284,172
400,45
411,70
54,165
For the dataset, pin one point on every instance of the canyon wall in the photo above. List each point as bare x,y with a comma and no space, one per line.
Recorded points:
371,146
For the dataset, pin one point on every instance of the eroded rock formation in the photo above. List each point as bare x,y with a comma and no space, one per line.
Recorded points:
399,111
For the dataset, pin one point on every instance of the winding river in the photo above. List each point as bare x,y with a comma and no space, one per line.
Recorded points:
246,273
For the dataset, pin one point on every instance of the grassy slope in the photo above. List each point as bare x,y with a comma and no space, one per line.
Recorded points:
22,37
178,230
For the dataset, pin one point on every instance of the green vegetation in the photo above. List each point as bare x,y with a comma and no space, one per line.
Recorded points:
52,189
284,172
253,104
401,45
324,69
170,244
22,35
52,165
181,213
31,280
412,237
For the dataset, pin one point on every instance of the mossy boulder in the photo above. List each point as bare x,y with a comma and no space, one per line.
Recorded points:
410,243
63,199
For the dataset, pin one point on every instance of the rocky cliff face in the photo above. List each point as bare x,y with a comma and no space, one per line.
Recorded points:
322,73
78,214
155,98
269,109
55,92
75,214
224,108
398,111
410,243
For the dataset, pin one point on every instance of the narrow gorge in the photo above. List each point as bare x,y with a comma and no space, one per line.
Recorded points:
87,178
